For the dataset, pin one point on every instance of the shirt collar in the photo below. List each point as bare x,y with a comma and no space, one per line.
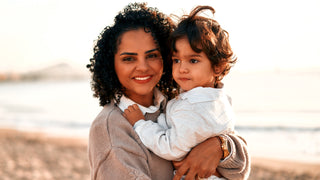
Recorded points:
202,94
158,99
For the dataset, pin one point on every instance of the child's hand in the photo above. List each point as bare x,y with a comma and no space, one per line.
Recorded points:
133,114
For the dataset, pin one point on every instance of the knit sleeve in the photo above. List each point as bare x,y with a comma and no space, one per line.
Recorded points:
113,152
128,166
237,165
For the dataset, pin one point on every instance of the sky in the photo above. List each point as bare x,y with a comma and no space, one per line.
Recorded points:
264,35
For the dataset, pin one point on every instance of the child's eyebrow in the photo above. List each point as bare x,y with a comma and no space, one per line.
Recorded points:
192,55
195,55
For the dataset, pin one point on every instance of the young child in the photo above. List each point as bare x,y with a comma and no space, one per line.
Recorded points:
202,56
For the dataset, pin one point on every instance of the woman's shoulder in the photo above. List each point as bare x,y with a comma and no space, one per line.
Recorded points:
104,113
115,131
99,123
108,119
112,140
99,135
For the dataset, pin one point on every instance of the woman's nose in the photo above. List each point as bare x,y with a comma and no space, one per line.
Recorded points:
142,65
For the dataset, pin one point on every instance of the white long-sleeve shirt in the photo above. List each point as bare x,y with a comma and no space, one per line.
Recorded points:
190,118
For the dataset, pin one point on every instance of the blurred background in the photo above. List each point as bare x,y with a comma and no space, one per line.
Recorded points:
45,86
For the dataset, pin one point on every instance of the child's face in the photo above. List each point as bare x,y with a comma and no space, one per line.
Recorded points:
191,69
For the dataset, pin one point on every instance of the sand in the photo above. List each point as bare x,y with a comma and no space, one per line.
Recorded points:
27,156
33,156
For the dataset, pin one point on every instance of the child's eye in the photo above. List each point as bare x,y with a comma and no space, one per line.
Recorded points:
175,60
193,61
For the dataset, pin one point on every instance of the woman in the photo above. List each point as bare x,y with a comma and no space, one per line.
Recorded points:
131,66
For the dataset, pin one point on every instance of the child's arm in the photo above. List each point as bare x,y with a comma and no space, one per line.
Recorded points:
188,125
133,114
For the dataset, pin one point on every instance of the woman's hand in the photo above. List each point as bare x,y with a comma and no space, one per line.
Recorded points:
202,161
133,114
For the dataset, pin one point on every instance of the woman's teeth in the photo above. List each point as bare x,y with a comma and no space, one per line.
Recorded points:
142,78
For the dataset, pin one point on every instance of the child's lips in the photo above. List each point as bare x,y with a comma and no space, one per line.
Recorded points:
184,79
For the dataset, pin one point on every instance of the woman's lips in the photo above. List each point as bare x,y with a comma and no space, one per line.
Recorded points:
142,79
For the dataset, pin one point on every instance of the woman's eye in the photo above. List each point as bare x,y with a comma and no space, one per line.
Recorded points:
193,61
128,59
153,56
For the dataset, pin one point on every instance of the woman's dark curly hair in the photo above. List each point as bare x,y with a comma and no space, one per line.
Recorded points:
205,34
105,83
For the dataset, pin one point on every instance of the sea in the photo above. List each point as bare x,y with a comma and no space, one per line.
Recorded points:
278,112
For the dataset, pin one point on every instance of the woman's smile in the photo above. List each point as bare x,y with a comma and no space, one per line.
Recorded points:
142,79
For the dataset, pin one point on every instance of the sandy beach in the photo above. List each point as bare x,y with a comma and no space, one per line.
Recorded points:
25,155
35,156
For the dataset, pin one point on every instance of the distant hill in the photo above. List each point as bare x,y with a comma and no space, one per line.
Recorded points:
59,71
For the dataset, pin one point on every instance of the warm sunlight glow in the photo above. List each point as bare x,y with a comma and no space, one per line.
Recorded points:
264,35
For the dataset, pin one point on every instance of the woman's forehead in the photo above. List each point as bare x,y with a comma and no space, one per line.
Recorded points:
136,40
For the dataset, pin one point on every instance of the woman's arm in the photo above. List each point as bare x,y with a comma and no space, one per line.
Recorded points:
204,160
238,164
113,162
113,151
119,164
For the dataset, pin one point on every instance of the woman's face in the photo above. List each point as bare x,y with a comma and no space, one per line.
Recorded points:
138,65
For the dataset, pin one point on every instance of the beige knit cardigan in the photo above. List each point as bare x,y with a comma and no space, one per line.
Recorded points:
116,152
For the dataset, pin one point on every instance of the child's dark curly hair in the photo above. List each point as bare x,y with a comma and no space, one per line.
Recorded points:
105,83
205,34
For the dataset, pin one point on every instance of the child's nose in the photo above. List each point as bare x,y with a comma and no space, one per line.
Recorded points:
183,68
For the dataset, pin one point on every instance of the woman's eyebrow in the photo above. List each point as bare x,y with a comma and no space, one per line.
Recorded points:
151,50
128,53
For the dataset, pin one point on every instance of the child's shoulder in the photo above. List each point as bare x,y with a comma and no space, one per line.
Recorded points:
202,94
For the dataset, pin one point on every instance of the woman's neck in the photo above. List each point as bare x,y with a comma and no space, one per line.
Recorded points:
145,100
